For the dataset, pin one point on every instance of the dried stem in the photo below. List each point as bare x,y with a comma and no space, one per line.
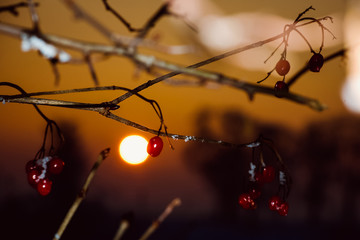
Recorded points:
81,196
174,203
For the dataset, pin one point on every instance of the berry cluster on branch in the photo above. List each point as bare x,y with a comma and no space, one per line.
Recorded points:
54,49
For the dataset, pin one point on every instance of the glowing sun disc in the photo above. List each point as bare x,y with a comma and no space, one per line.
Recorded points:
132,149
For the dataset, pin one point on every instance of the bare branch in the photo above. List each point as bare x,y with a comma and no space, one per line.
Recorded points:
104,109
150,61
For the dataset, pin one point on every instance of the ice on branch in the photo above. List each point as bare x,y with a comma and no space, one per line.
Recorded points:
282,179
254,144
43,163
175,137
189,138
252,172
47,50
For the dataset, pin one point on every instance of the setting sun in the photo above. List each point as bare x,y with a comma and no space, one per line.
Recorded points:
132,149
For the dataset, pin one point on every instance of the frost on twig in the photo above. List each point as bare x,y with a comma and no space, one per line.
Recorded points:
282,178
49,51
252,172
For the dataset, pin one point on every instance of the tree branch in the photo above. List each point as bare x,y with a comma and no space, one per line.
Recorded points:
150,61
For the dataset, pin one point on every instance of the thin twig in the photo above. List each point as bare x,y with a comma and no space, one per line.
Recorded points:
13,8
301,14
91,69
34,16
82,194
53,63
162,11
118,16
80,13
174,203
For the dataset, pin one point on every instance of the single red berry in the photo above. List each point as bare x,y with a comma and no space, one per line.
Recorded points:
155,146
33,177
44,186
281,88
274,203
316,62
55,165
254,193
268,174
246,201
259,178
282,67
30,165
283,209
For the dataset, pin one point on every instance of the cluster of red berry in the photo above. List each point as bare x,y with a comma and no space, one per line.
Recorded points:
283,67
265,175
155,146
276,204
39,172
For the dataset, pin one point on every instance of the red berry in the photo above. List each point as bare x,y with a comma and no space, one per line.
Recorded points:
268,174
259,178
246,201
30,165
281,88
33,177
254,193
316,62
282,67
283,209
155,146
55,165
274,203
44,186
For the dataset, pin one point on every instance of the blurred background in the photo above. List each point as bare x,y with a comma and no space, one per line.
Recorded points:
320,149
